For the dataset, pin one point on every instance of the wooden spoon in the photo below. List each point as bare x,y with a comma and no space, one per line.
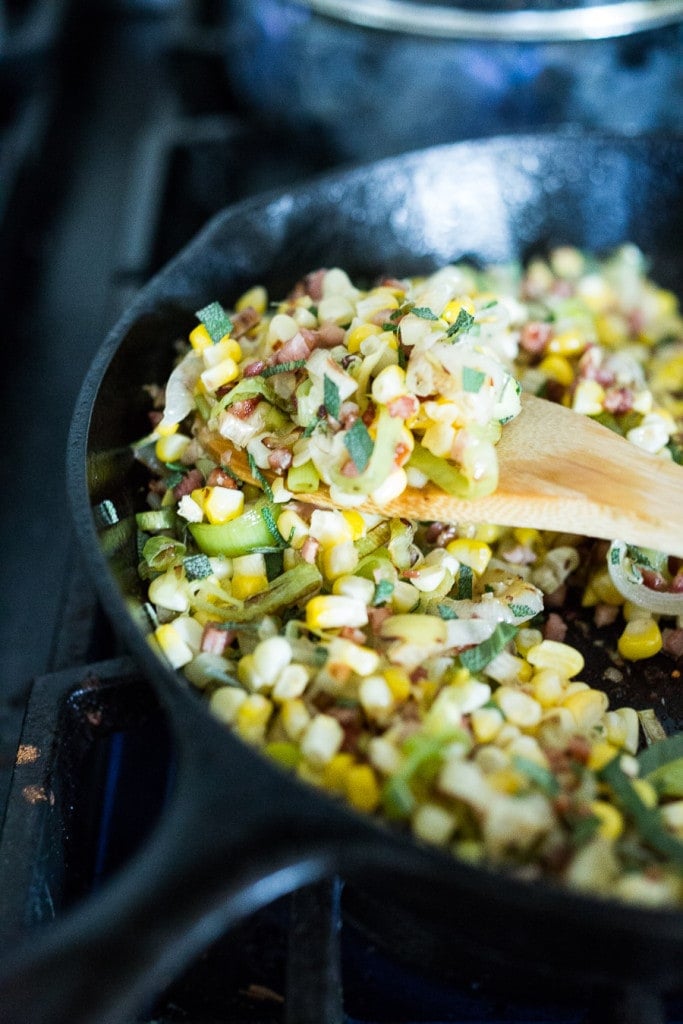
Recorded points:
559,470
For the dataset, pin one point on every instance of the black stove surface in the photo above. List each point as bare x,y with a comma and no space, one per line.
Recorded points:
119,138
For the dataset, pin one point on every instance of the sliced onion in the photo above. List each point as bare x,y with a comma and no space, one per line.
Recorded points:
180,389
628,580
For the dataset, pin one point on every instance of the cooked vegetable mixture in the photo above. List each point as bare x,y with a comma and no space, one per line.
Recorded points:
420,671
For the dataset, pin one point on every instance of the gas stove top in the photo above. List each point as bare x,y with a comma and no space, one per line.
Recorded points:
113,156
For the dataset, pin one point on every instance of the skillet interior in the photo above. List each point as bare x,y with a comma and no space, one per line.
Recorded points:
495,200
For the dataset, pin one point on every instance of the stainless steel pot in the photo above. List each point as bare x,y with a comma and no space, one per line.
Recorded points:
368,78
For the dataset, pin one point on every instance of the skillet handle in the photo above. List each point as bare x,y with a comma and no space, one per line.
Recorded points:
236,836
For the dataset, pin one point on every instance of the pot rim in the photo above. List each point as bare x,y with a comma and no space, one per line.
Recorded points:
571,24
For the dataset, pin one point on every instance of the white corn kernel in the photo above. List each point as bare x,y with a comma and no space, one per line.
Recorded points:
270,657
321,740
518,707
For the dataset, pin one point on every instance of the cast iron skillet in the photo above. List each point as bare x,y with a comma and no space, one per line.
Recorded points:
238,832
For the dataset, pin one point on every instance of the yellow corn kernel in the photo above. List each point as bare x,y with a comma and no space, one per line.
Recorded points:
438,438
588,397
200,338
220,374
566,660
388,384
567,343
646,791
356,523
641,639
486,723
171,447
603,588
226,348
337,770
165,429
252,717
610,328
473,553
518,707
174,648
286,754
292,527
362,788
506,780
526,639
611,821
452,309
489,533
587,706
359,334
332,611
248,576
398,681
339,560
548,687
557,367
528,536
294,718
256,297
601,754
222,504
635,611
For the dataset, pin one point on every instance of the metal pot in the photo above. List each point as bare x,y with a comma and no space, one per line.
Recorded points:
366,79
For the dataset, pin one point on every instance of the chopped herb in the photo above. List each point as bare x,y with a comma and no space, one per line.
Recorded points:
320,656
543,777
105,513
232,474
269,520
472,379
331,397
477,658
402,358
423,757
390,327
216,321
402,310
584,829
660,753
197,567
675,446
446,612
461,324
647,820
288,367
359,444
259,477
521,611
465,578
383,591
161,552
424,312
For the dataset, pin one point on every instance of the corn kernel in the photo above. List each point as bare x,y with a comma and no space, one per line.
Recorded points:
248,576
489,533
360,659
321,740
622,728
388,384
355,522
604,589
506,780
330,611
376,697
169,591
356,587
433,824
398,682
611,821
222,504
164,429
176,651
256,297
641,639
336,772
601,754
587,706
588,398
526,639
339,560
486,723
452,309
567,343
171,447
474,553
518,707
294,717
548,687
646,791
552,654
362,788
225,702
270,657
226,348
252,717
557,367
200,338
220,374
358,334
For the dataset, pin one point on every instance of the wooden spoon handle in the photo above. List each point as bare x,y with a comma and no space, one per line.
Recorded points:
558,471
